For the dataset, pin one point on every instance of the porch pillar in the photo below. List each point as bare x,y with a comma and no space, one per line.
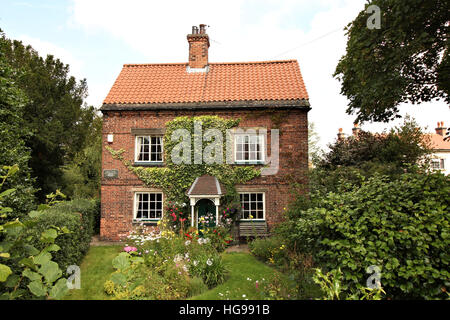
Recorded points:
192,215
217,215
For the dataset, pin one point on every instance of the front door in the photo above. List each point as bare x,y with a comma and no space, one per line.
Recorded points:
206,214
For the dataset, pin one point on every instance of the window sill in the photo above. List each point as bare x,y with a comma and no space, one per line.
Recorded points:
151,222
249,163
148,164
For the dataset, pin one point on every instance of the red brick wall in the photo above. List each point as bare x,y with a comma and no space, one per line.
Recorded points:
117,194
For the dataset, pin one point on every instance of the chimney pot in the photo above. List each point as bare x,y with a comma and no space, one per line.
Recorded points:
340,135
198,47
356,129
440,130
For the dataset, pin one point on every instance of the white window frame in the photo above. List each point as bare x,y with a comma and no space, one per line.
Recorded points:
440,163
135,206
263,201
137,152
262,151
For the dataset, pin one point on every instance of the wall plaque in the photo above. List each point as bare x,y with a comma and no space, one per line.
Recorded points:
111,174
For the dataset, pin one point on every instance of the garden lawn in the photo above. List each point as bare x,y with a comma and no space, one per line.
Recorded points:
242,267
97,267
95,270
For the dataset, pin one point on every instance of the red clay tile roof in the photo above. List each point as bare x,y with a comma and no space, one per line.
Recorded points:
206,185
438,143
224,82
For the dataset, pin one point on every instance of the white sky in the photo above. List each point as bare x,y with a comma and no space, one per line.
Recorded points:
97,37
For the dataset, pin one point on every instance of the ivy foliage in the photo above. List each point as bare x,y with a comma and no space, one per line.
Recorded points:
175,179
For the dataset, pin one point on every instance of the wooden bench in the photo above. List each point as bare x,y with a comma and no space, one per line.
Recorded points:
253,229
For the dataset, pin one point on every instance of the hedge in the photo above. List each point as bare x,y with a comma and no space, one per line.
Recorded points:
402,226
79,217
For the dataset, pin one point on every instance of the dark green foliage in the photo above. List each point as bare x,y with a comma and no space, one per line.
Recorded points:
401,225
82,175
78,216
391,153
54,112
407,60
12,147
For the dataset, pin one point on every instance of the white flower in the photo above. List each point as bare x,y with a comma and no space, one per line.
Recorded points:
243,296
188,242
195,262
209,262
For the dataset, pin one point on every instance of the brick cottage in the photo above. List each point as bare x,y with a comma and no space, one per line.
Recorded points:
265,95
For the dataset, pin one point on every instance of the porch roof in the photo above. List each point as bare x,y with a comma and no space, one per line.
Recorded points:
206,185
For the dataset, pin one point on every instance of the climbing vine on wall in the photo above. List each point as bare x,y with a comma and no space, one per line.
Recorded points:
175,179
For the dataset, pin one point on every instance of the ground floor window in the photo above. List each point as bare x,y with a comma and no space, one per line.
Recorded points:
252,205
148,205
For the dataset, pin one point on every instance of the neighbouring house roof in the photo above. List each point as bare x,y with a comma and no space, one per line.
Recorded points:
438,143
206,185
266,83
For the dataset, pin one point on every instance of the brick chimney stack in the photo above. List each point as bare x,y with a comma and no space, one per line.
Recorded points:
340,135
356,129
198,47
440,130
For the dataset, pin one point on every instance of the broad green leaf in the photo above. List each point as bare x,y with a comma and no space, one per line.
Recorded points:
121,261
12,281
4,255
51,271
59,290
37,288
5,271
52,247
33,276
49,235
42,258
28,262
119,279
35,214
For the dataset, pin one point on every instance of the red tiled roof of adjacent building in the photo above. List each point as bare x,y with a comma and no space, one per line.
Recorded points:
224,82
438,143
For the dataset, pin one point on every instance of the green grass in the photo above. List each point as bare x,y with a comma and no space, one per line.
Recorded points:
242,266
95,270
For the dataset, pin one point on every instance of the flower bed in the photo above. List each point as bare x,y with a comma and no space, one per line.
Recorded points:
162,264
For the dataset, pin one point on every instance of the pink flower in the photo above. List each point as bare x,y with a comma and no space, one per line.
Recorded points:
129,249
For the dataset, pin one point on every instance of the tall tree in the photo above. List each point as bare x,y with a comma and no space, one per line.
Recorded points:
83,174
405,60
55,112
12,146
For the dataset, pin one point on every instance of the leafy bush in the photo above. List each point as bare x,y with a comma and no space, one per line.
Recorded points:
25,271
269,249
77,216
400,225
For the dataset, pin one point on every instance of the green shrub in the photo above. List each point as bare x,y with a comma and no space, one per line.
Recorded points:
400,225
269,249
196,286
78,217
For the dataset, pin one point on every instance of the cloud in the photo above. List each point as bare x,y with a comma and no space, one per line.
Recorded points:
309,31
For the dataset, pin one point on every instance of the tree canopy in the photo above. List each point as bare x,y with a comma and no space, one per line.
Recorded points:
12,147
406,60
55,112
